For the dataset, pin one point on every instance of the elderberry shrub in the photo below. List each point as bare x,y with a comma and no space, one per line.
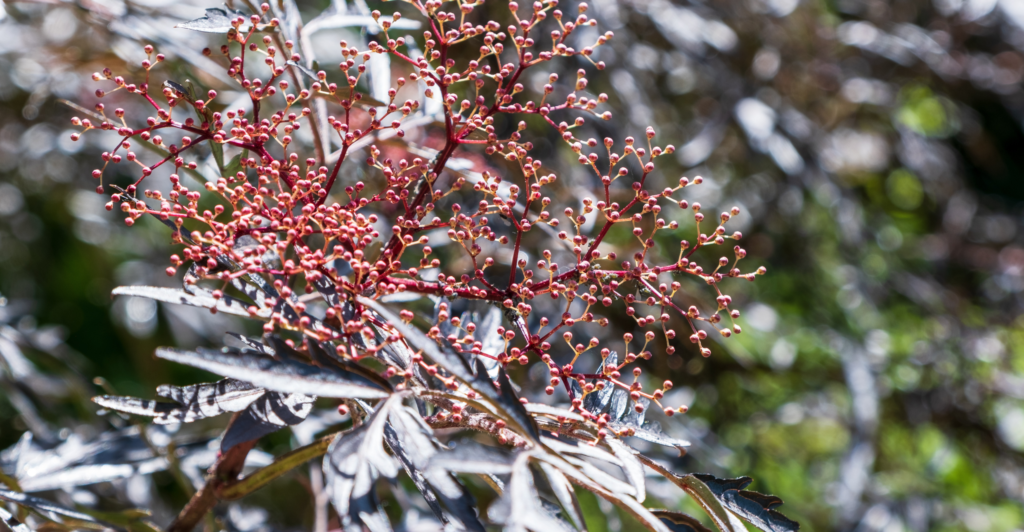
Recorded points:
278,237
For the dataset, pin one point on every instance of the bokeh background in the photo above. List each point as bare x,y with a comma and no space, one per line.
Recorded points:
876,148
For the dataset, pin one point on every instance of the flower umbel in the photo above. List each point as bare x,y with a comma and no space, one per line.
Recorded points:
279,216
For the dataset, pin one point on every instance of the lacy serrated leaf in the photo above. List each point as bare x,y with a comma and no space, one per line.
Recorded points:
634,419
525,510
631,466
508,401
76,462
755,508
188,93
563,491
574,447
245,342
12,522
597,401
352,465
503,398
449,360
192,403
216,20
277,375
541,409
269,413
225,304
492,343
701,493
44,506
598,475
680,522
324,356
473,457
651,431
618,403
629,504
410,440
405,437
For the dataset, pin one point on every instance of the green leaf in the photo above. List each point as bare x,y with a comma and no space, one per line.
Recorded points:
218,155
282,464
235,165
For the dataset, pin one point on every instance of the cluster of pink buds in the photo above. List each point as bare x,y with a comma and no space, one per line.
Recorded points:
290,205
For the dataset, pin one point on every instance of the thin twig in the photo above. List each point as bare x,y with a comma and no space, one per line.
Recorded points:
224,470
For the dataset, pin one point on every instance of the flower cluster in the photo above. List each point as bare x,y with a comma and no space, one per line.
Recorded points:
279,217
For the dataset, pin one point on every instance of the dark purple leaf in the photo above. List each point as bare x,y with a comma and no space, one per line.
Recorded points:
245,342
12,522
651,431
525,510
270,413
597,401
755,508
631,466
189,93
313,77
216,20
474,457
225,304
680,522
354,462
618,403
505,401
563,491
408,446
277,375
191,403
44,506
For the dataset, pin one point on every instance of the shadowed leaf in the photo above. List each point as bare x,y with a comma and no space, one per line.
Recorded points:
631,466
412,449
618,403
44,506
225,304
270,413
755,508
526,512
191,403
216,20
680,522
410,440
505,400
353,463
563,491
634,419
473,457
492,343
597,402
277,375
76,462
723,519
12,522
245,342
651,431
